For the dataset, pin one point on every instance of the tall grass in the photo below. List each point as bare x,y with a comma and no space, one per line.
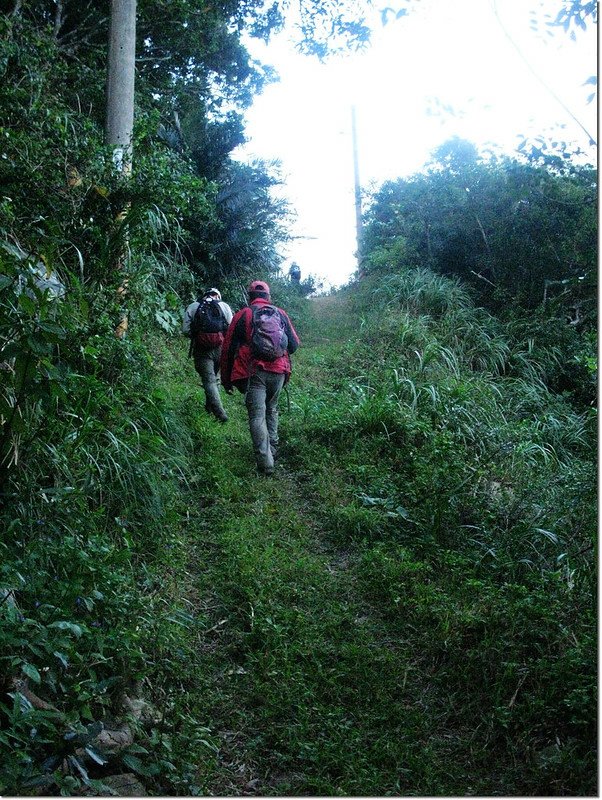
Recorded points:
93,458
465,488
407,608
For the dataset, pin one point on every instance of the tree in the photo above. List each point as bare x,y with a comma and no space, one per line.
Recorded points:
250,224
503,226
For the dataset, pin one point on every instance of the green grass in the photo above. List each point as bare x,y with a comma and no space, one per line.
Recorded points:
406,608
350,650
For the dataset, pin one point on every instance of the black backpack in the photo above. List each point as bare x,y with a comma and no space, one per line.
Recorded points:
208,318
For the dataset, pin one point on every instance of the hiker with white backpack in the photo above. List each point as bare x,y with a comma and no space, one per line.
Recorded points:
205,322
256,360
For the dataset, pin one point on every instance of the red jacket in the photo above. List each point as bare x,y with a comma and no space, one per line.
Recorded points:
237,363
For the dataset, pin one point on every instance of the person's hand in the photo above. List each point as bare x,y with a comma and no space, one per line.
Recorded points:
229,389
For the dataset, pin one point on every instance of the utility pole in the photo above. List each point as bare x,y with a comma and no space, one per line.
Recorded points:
120,82
358,190
120,111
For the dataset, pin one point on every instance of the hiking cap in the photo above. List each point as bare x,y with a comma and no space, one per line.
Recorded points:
213,291
259,286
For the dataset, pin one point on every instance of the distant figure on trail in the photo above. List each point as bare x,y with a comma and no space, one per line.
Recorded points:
205,322
294,273
256,359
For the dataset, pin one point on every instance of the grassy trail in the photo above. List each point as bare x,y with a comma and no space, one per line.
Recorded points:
298,680
336,652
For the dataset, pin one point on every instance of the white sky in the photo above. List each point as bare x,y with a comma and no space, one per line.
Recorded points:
444,53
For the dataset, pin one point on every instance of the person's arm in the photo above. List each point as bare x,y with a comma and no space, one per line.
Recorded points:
291,333
234,337
188,316
226,311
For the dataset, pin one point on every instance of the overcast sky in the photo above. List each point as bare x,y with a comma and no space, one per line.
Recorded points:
448,69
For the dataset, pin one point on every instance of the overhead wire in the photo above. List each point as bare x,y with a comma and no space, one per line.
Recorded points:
592,141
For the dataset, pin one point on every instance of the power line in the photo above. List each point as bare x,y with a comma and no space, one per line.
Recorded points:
592,141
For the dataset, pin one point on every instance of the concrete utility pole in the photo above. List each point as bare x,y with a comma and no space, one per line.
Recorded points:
120,110
358,190
120,82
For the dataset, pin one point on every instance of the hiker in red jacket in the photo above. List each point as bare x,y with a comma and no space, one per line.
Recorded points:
256,360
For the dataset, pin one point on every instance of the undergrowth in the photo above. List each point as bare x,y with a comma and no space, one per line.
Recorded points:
406,608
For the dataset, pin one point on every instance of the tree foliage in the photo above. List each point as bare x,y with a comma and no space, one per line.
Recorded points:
510,228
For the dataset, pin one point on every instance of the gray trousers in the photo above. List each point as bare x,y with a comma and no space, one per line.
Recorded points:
206,363
261,400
